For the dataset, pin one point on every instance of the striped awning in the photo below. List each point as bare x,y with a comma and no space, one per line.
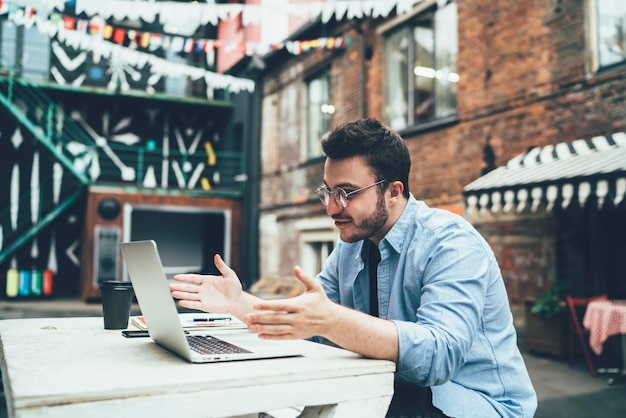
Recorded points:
554,175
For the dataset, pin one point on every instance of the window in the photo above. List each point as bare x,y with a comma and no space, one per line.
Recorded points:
319,110
8,38
420,64
610,30
176,84
317,240
25,50
315,254
36,57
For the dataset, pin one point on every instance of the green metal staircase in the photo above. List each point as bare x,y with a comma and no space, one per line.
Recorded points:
53,132
65,145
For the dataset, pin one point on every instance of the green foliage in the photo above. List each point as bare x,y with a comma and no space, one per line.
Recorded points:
552,302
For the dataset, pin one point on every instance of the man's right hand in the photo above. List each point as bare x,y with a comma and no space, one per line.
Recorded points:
219,294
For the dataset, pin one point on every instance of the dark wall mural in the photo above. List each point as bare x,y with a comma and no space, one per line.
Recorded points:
29,180
129,142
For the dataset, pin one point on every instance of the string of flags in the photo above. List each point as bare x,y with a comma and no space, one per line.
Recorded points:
132,47
151,41
122,56
199,14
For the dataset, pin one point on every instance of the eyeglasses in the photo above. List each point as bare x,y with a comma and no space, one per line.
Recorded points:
342,198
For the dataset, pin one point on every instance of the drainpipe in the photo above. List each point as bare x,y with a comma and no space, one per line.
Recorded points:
363,58
250,260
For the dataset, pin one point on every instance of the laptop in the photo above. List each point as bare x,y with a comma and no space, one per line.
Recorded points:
150,284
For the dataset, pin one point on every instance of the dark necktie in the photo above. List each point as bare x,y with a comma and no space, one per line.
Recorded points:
373,260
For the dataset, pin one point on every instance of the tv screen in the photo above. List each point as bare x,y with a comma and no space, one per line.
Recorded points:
187,237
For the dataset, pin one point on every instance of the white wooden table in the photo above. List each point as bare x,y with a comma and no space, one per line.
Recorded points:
73,367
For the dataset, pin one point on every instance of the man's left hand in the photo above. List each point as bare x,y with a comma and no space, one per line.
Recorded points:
300,317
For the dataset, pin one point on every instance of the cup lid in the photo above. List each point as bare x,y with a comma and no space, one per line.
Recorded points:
116,283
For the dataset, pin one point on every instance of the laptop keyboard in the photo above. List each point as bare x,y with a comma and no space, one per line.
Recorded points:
206,344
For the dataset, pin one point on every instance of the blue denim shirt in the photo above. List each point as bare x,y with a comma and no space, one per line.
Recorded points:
439,282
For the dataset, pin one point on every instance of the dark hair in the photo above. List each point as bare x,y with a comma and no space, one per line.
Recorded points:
383,148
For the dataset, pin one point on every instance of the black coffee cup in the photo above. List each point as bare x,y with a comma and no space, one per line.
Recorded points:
117,300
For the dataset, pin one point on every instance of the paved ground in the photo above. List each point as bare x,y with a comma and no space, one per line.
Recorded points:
562,391
571,392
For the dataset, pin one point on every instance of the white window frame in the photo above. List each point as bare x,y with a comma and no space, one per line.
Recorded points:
33,62
404,114
312,147
597,48
317,238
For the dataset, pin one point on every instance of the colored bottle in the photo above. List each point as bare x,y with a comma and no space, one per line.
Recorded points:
35,282
46,282
12,282
24,283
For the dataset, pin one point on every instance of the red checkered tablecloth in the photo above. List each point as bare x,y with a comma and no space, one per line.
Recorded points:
603,319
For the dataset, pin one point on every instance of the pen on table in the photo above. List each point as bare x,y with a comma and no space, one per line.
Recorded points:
211,319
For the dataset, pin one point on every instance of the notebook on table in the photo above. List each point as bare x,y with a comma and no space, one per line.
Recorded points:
146,273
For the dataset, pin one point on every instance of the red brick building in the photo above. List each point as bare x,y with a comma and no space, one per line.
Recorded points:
470,85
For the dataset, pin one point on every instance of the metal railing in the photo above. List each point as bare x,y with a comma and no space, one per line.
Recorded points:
34,110
199,173
62,141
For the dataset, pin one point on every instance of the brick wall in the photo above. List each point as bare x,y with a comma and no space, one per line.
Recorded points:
525,249
525,81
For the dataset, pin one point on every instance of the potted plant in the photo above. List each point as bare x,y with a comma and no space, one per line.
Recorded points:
552,302
546,322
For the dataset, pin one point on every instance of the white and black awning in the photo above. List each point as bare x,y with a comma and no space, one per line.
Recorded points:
554,175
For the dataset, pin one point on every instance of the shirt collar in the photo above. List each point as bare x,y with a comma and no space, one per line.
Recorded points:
397,234
364,247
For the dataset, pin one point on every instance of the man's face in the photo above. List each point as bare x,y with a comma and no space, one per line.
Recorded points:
367,213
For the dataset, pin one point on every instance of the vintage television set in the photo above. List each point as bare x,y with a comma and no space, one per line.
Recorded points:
187,237
188,231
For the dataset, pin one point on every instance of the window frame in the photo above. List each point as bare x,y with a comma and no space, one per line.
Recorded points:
312,148
594,43
406,23
27,52
314,232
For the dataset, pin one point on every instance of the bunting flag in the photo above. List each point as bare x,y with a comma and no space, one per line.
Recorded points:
73,32
196,14
191,15
153,41
127,56
106,41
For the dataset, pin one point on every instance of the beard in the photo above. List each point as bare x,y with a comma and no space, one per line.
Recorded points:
368,226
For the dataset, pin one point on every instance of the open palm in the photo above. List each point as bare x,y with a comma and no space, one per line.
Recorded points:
219,294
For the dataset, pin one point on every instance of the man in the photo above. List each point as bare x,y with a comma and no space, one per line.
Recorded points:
406,283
